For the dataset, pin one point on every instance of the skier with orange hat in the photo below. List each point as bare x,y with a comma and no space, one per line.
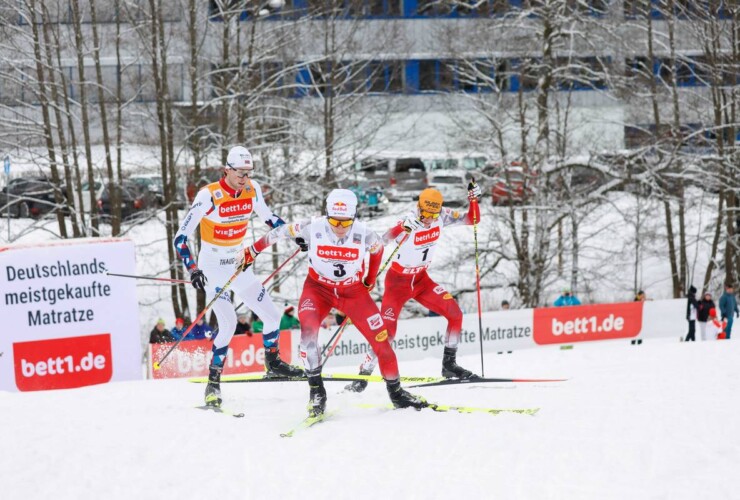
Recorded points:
407,278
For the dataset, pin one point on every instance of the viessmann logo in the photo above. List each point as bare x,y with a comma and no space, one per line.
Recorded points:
426,236
337,253
236,207
63,363
565,325
229,232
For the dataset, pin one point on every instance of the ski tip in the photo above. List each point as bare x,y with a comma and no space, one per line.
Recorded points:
156,366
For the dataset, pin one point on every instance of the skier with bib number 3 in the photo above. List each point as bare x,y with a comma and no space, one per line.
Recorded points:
336,246
407,278
223,209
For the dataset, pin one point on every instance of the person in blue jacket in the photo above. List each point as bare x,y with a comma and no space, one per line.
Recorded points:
201,330
728,307
567,299
179,328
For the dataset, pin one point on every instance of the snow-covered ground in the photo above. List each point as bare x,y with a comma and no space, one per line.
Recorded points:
649,421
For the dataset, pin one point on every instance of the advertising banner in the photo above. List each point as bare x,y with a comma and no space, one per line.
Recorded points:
192,357
66,323
524,328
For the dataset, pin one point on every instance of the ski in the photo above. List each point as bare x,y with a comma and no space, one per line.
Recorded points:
251,378
481,380
348,377
459,409
307,423
218,409
492,411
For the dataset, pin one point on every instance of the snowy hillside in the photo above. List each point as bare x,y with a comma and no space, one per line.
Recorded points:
649,421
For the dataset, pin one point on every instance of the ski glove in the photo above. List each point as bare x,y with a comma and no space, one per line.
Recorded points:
198,279
302,244
474,191
249,255
369,284
411,224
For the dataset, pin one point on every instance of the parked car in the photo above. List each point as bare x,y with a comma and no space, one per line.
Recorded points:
152,182
511,184
98,187
408,178
375,172
453,184
29,197
135,200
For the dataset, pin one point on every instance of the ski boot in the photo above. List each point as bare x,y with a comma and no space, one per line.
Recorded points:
358,385
403,399
213,389
276,367
450,368
317,396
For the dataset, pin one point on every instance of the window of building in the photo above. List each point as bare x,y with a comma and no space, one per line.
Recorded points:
587,7
436,75
636,8
385,76
528,74
435,8
582,73
638,70
374,8
483,8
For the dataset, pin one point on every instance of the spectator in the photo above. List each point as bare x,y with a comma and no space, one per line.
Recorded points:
201,330
505,305
691,307
640,297
242,325
159,333
715,327
702,313
179,329
257,324
373,201
288,321
728,307
567,299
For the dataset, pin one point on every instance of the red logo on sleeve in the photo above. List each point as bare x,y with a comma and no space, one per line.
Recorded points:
338,253
63,363
565,325
428,236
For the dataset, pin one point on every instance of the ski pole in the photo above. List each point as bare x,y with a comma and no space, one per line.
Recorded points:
157,364
348,321
278,268
168,280
477,280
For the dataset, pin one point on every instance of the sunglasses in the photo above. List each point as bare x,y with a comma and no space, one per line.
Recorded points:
336,223
429,215
247,172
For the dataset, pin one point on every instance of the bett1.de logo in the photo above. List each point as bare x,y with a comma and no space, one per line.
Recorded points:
63,363
565,325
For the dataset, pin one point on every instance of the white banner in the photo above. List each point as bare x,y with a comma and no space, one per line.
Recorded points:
524,328
65,323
